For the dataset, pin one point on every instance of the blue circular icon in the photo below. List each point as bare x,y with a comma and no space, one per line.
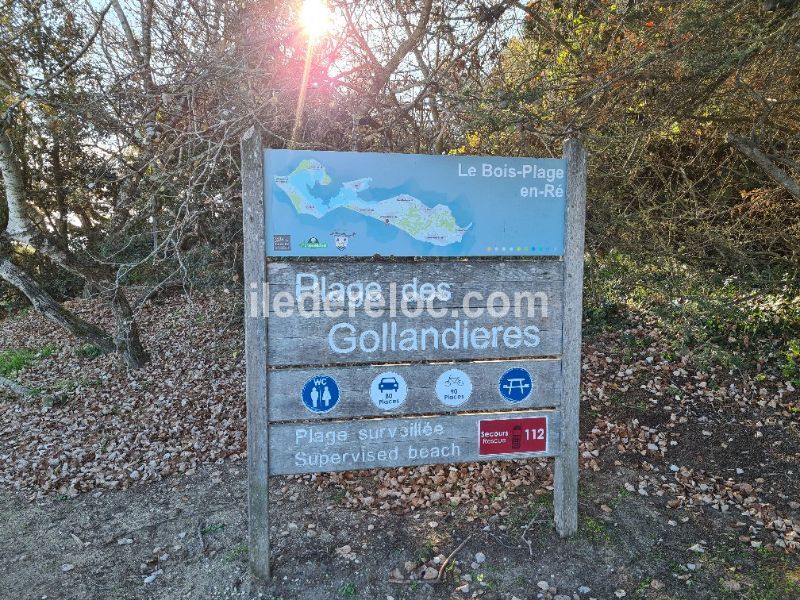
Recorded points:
320,394
516,385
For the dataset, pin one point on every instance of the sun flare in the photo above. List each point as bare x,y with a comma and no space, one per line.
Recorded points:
315,17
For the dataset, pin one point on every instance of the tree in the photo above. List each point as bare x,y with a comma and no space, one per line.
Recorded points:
22,222
688,109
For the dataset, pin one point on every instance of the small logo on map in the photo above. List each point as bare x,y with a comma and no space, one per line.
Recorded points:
313,243
282,243
342,239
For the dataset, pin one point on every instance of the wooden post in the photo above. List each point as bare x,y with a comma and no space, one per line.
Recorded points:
255,333
565,495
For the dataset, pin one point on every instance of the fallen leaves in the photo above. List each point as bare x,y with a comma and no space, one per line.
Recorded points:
656,413
433,570
116,429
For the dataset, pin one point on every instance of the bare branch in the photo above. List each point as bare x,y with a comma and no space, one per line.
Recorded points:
778,175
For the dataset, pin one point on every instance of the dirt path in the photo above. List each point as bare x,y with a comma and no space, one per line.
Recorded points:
190,532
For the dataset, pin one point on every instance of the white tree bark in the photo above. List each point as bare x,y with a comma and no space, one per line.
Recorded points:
17,228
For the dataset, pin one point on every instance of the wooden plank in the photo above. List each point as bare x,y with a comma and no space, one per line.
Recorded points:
385,271
321,341
383,443
256,354
565,495
532,285
532,292
539,306
418,392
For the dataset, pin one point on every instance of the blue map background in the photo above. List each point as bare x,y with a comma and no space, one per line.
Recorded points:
502,222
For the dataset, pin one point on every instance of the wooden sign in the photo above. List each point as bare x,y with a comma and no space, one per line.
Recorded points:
470,301
411,441
356,383
374,342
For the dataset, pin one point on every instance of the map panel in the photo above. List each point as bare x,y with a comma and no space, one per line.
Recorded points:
365,204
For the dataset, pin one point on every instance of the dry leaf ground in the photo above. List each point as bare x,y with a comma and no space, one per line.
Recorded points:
126,485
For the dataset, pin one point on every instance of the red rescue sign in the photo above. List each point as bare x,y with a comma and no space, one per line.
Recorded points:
513,436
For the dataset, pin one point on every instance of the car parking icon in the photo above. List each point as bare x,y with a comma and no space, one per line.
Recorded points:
388,383
388,390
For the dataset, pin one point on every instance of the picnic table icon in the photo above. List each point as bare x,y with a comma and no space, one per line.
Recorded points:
515,385
518,384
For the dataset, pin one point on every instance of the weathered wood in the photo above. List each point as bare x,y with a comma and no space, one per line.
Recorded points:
539,305
384,443
368,351
531,284
565,494
285,386
320,341
469,274
256,354
532,290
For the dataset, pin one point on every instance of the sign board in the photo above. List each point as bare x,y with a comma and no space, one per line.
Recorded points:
362,204
445,330
410,441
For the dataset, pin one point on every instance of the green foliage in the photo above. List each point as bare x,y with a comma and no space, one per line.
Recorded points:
791,363
212,528
89,351
53,401
12,361
733,322
655,88
594,530
67,386
775,581
236,553
47,351
427,550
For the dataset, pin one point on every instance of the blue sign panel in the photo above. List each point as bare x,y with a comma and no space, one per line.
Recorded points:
320,394
363,204
516,385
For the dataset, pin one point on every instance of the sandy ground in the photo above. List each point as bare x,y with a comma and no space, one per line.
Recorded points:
191,532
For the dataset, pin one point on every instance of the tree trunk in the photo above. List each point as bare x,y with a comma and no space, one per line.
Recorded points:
62,227
21,229
127,334
13,386
155,209
45,304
